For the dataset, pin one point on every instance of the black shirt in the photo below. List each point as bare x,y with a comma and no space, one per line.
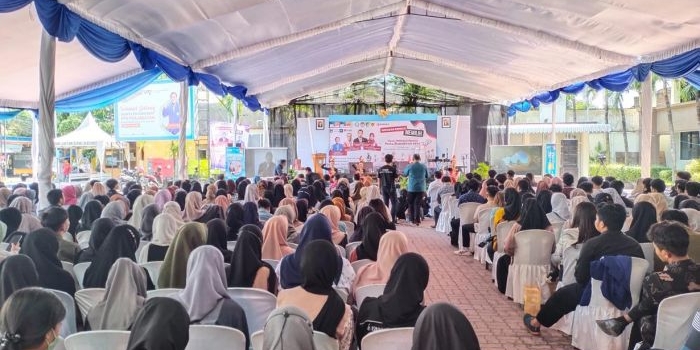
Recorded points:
606,244
387,176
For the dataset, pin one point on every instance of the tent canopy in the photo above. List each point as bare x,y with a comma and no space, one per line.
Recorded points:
89,134
492,50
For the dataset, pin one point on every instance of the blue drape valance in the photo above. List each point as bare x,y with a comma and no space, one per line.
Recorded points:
12,5
8,113
685,65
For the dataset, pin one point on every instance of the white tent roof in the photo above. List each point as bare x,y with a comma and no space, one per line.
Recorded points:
88,134
493,50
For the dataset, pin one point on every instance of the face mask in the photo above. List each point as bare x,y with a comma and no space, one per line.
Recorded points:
54,342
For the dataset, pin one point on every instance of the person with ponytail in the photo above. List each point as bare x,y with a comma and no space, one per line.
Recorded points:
31,319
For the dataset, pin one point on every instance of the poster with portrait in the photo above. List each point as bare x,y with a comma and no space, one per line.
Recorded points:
235,163
372,136
153,113
221,136
262,161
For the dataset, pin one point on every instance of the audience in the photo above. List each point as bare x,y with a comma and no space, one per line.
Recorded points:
442,326
16,272
31,319
121,242
162,323
42,246
373,227
125,294
173,272
275,246
216,237
247,268
392,245
643,216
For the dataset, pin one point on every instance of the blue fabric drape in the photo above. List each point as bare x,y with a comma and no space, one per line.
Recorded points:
7,6
8,113
685,65
107,95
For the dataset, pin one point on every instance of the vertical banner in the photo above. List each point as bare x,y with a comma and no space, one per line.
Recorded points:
235,160
550,159
221,136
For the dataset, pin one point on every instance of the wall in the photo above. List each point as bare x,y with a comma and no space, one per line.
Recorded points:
684,119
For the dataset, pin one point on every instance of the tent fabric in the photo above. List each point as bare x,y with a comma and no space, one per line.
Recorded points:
89,134
268,53
13,5
8,113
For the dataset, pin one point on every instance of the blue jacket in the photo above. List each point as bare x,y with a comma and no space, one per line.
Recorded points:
614,273
417,176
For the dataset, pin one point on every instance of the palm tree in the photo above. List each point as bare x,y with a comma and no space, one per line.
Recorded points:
671,131
571,99
607,121
688,93
617,97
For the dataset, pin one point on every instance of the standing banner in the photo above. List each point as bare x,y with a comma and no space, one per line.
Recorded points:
153,113
550,159
372,136
221,136
235,159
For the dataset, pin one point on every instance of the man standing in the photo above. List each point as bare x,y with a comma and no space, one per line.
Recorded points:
171,114
279,169
387,177
417,174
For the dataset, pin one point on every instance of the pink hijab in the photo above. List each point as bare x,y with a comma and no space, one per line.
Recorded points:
274,246
391,246
162,197
69,195
333,214
193,206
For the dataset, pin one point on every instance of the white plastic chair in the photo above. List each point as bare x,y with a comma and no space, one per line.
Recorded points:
482,234
257,304
206,337
153,268
293,245
569,259
389,339
443,223
272,262
324,342
98,340
162,292
88,298
342,293
466,216
531,263
371,290
83,238
350,247
256,340
4,245
350,226
142,244
502,230
79,271
68,325
648,249
585,334
69,268
231,245
356,265
673,320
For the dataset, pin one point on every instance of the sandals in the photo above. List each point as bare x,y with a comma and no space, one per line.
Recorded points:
532,329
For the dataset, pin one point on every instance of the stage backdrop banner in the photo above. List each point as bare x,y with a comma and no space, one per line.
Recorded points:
153,113
373,136
235,159
521,159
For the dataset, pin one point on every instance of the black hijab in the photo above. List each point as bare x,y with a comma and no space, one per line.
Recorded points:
533,217
148,214
100,229
92,212
643,216
42,247
234,220
320,267
302,209
357,235
373,228
216,236
544,199
121,242
180,196
132,195
250,214
246,260
162,324
197,187
12,218
442,326
241,189
254,229
296,186
512,206
16,272
401,303
75,213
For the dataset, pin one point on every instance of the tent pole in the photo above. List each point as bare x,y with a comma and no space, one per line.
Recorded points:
47,100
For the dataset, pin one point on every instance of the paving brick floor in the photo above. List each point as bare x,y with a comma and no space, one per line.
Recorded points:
463,281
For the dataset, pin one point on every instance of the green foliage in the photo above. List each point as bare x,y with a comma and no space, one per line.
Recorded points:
403,182
599,149
21,125
67,122
89,153
630,173
687,91
482,169
462,177
693,167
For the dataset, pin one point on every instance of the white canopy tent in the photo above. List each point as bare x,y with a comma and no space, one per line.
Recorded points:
89,135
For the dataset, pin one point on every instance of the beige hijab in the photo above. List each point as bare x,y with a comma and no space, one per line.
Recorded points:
165,228
137,210
173,209
333,214
658,200
194,206
288,191
274,244
125,294
391,246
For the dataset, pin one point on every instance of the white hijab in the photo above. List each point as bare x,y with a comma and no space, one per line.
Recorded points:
206,282
137,210
165,227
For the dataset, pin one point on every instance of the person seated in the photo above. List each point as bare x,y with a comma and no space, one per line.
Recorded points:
31,319
373,227
402,301
125,294
320,266
442,326
247,268
612,241
121,242
643,216
275,245
162,323
41,246
391,246
173,272
56,219
472,195
264,208
681,275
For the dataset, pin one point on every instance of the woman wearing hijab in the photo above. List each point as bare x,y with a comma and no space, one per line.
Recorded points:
137,209
162,197
223,202
402,301
91,212
560,208
194,206
333,214
373,227
234,220
544,199
275,245
16,272
216,237
288,190
278,194
132,195
173,209
173,272
180,198
247,268
12,218
288,212
69,195
643,217
320,266
392,245
165,228
115,211
340,204
361,216
74,215
511,208
121,242
251,194
162,324
29,221
149,214
42,247
125,294
100,230
532,218
5,193
205,297
250,214
442,326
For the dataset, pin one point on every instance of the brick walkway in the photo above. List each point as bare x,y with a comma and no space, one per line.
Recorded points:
463,282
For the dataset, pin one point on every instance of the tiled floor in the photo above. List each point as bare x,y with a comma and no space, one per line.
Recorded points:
464,282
